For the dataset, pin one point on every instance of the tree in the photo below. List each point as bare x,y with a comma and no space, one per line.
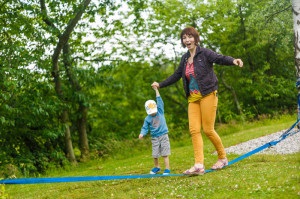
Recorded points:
296,17
63,45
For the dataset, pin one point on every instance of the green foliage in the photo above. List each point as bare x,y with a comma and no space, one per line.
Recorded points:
120,112
30,128
28,121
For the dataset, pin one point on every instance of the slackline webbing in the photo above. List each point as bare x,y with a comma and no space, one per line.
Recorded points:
80,178
140,176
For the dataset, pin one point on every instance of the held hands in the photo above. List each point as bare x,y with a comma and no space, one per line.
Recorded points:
238,62
155,85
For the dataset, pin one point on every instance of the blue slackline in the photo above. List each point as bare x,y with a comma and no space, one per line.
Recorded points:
140,176
80,178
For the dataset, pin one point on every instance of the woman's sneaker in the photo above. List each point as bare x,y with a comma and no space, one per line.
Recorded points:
155,170
167,172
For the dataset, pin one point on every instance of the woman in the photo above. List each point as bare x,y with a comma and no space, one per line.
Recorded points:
200,84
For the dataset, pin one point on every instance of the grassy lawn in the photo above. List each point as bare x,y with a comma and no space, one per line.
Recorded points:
258,176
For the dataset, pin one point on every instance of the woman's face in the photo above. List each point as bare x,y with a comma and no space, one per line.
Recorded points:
189,41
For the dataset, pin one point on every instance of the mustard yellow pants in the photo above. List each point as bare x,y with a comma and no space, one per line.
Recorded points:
202,114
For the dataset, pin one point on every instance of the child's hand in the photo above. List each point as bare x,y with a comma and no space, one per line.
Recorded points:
141,136
155,85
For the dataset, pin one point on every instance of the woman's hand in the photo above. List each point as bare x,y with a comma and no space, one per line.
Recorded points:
238,62
155,85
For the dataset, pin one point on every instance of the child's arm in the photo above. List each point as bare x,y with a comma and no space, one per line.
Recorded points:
156,91
144,130
160,103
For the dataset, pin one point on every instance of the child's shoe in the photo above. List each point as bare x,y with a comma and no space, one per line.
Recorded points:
155,170
167,172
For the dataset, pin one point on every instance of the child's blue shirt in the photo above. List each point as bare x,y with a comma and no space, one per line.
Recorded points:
157,124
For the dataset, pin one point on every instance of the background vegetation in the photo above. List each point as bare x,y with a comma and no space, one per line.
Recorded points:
74,74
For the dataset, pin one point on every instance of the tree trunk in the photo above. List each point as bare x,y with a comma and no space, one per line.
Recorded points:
83,139
296,17
83,110
68,141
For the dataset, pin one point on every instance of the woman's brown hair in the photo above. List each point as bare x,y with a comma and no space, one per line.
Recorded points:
190,31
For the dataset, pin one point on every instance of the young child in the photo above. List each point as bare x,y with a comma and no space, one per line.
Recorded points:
155,122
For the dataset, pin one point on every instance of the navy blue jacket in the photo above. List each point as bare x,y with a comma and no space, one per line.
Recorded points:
203,67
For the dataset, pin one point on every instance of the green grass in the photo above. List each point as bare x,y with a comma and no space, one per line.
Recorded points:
258,176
